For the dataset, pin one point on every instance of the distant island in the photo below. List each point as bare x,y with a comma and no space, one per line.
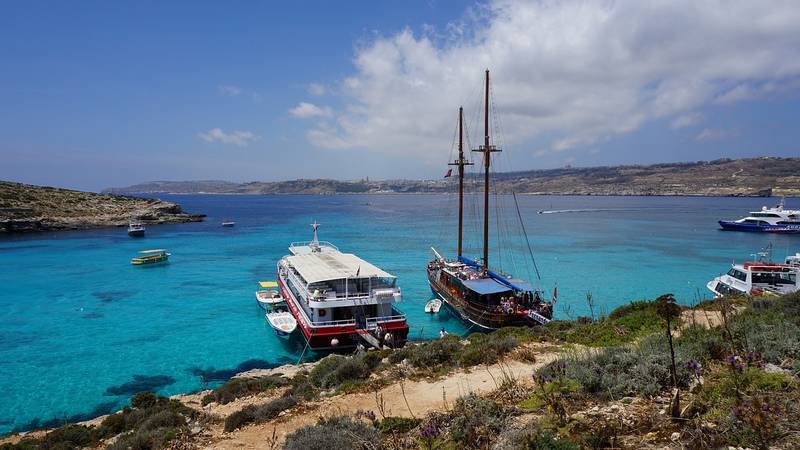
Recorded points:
753,177
25,207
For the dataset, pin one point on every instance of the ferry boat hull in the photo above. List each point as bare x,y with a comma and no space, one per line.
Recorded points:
136,233
730,225
337,337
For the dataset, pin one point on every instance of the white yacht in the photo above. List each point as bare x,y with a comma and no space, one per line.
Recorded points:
338,299
759,277
772,220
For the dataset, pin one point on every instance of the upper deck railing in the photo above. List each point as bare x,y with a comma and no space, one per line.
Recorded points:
321,244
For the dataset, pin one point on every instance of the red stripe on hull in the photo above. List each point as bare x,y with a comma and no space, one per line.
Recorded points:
321,337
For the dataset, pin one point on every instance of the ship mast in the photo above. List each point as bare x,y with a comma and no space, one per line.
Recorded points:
460,162
487,151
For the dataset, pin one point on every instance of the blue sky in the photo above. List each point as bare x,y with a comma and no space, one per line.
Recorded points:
99,94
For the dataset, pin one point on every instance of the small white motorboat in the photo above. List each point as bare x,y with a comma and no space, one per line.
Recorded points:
269,297
228,223
282,322
433,306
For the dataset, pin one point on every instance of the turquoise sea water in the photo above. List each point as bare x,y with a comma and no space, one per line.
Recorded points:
82,329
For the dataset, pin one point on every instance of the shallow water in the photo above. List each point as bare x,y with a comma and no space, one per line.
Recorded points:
82,329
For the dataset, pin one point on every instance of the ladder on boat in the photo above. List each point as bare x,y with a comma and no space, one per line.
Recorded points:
369,338
538,317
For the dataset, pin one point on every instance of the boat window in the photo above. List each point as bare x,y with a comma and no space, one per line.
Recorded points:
738,274
773,278
759,214
724,289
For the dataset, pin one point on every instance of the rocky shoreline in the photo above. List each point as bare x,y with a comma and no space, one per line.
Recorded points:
28,208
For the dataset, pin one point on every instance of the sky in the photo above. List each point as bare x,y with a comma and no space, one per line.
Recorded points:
102,94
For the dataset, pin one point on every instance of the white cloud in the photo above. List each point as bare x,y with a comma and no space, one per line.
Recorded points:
230,90
239,138
714,134
686,120
306,110
565,74
317,89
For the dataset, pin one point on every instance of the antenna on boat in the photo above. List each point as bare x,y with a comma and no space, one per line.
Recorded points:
460,162
315,242
487,151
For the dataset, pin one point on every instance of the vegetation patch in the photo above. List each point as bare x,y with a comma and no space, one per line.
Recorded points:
258,413
340,432
243,387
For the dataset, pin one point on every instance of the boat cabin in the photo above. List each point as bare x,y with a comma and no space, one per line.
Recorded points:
334,286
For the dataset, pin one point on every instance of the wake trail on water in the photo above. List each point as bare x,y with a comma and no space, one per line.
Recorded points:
565,211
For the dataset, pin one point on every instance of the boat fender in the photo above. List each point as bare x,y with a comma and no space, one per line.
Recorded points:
334,342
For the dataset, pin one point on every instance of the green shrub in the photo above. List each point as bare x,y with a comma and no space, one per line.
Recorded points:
335,370
341,433
395,424
258,413
144,400
398,355
621,371
541,440
435,353
243,387
487,349
476,421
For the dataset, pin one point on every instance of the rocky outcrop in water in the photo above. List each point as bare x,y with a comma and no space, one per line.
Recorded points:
27,208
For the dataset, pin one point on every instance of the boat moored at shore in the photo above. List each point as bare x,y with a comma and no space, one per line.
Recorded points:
269,296
480,296
760,277
338,299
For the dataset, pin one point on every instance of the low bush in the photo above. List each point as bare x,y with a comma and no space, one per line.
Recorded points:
395,424
437,353
334,371
476,421
258,413
620,371
243,387
341,433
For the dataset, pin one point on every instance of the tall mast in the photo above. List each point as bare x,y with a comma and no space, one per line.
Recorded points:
487,151
460,162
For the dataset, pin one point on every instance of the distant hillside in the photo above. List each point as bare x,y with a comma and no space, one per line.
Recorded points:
24,207
725,177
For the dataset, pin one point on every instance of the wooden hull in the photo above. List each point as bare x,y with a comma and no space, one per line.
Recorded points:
476,315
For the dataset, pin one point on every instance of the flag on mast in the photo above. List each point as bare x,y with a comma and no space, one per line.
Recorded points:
449,173
555,293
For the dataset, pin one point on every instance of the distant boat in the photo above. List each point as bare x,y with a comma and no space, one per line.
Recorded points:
151,257
433,306
228,223
283,322
768,220
269,297
135,229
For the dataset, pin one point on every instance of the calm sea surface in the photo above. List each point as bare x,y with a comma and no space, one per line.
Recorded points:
81,330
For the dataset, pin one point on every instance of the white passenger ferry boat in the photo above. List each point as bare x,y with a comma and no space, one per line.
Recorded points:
338,298
759,277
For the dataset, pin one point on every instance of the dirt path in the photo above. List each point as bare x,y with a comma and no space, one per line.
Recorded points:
421,396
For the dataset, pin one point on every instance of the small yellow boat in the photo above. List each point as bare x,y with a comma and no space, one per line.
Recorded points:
269,297
151,257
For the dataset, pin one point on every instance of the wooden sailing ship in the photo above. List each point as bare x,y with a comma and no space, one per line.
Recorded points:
478,295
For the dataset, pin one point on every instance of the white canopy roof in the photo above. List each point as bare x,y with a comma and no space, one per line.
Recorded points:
333,265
